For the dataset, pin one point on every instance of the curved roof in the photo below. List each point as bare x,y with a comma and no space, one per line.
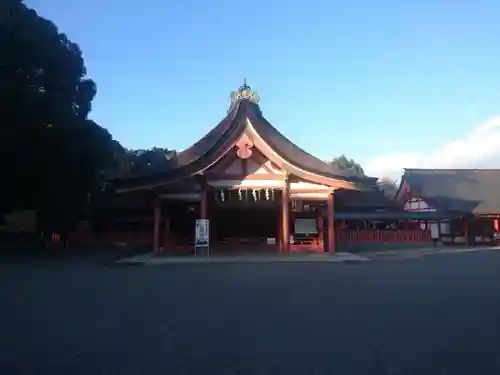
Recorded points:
218,140
232,127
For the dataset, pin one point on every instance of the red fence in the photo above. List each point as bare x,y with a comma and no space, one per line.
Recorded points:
145,238
383,236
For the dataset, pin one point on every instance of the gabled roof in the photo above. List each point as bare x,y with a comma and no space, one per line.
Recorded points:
474,191
233,126
215,144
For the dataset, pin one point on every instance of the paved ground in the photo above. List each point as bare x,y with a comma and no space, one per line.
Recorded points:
426,251
150,260
432,315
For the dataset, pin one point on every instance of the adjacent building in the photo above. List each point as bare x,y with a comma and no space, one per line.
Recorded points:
464,203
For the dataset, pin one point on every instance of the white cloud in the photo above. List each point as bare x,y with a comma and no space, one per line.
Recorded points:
479,149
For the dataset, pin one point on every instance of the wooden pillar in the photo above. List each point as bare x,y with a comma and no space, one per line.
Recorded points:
203,202
320,225
285,216
166,237
279,237
466,231
331,226
156,225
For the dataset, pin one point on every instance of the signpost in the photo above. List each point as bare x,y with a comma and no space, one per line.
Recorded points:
202,235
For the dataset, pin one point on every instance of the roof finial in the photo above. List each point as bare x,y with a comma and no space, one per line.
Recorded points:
244,93
245,85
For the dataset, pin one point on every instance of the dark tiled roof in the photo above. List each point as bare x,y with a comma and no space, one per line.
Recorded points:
215,143
474,191
370,200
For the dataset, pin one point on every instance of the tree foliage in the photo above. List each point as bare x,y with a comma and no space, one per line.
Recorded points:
388,186
51,153
346,164
142,162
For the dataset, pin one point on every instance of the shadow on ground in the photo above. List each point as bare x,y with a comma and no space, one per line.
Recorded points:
434,315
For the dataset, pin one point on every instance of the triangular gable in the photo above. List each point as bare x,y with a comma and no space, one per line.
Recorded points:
404,191
243,160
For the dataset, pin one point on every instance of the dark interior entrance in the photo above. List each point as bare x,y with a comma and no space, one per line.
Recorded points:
251,227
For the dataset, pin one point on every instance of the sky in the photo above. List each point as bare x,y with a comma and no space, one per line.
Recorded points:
392,84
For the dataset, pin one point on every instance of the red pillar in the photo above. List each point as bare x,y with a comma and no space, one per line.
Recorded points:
279,237
156,225
285,217
203,202
166,237
331,227
320,226
466,230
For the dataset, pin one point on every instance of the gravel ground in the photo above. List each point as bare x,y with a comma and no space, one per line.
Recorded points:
82,315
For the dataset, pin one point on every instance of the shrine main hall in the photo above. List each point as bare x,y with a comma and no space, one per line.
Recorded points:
257,189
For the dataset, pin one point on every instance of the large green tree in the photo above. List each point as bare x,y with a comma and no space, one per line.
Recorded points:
51,153
344,163
142,162
388,186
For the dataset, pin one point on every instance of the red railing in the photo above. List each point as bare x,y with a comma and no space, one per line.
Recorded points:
145,238
383,236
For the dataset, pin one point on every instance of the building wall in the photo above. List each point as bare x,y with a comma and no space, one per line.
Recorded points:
417,204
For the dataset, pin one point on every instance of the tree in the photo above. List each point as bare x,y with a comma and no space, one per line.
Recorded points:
142,162
388,187
347,165
51,154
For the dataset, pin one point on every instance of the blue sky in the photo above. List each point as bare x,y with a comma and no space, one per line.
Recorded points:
375,80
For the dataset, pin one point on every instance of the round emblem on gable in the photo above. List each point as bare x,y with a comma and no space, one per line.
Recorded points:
244,152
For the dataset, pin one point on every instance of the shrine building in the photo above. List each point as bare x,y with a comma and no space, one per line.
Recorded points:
465,203
258,190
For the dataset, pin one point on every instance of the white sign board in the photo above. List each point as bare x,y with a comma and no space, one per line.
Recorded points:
202,233
434,231
306,226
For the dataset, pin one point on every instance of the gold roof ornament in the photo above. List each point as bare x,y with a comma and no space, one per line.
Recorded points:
244,92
